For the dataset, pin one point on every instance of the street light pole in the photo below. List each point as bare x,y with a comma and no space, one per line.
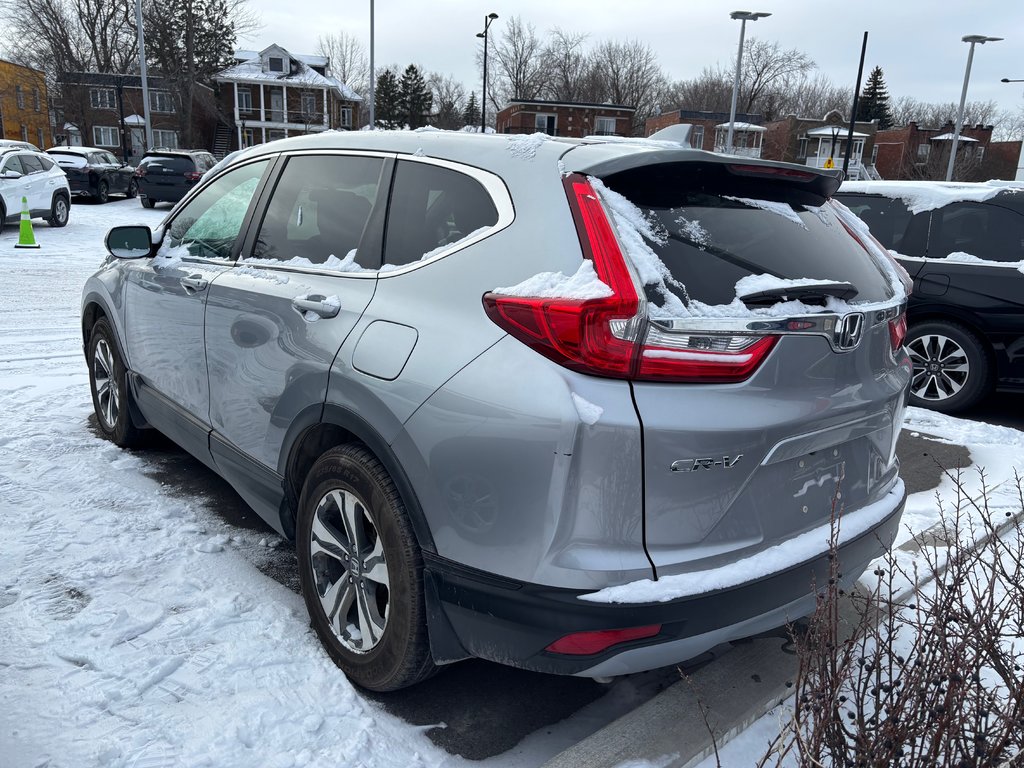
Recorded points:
142,72
744,17
483,101
972,39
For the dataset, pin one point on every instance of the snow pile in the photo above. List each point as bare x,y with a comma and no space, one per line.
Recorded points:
332,263
785,210
966,258
525,146
261,274
694,232
758,283
583,284
587,411
169,257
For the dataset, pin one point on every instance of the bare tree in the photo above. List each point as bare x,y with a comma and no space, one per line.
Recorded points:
349,62
631,76
517,63
768,73
568,69
710,91
907,109
449,101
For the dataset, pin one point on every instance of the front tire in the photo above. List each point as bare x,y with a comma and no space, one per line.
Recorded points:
361,571
952,366
133,188
60,212
147,202
109,384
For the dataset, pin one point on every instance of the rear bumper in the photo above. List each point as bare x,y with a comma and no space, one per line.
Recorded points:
512,622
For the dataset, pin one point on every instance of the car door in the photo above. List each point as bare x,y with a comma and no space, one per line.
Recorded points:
165,303
113,173
31,182
275,322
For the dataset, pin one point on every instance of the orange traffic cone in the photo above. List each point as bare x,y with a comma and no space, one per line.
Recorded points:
25,237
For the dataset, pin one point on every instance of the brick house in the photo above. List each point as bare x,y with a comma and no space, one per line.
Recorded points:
24,110
821,142
913,152
106,110
709,130
572,119
272,94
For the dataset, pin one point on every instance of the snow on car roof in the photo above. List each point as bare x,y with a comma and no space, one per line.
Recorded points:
921,196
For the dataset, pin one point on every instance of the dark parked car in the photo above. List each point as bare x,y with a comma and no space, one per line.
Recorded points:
629,453
963,245
95,173
166,175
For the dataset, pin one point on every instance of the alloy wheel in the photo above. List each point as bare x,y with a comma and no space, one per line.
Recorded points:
941,367
350,571
106,386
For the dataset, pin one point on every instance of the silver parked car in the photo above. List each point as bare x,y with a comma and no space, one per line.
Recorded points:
582,407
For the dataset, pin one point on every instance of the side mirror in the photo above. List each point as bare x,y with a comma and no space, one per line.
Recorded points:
130,242
10,175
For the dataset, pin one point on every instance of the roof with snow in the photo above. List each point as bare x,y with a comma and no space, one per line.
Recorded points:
949,137
828,131
306,58
252,70
738,126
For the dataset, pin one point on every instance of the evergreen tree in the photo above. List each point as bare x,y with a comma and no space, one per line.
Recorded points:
387,101
471,114
415,98
874,101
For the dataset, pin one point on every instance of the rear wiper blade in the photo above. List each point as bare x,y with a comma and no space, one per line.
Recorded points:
818,293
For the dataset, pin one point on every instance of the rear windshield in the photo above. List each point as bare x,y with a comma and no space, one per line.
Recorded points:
719,230
69,160
169,164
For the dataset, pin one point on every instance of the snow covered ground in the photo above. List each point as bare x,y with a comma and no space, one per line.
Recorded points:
133,632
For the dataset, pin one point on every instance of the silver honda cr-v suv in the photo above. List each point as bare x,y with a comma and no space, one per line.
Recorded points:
584,407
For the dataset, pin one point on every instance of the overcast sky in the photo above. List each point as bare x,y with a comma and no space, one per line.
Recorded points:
916,42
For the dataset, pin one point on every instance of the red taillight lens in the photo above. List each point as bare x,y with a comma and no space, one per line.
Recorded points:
193,175
140,171
898,331
589,643
604,337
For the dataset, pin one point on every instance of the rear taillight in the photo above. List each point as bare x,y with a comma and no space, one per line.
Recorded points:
611,336
193,175
898,330
140,171
589,643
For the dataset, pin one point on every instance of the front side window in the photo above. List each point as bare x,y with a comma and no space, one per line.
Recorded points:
432,208
319,209
104,136
101,98
209,224
12,163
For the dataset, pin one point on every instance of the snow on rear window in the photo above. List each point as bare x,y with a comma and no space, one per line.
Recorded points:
785,210
69,160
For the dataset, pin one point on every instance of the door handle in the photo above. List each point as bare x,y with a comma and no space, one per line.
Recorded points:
318,305
194,284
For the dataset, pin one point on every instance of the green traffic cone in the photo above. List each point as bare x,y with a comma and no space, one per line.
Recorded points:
25,237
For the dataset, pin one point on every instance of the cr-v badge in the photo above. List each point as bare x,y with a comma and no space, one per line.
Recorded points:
692,465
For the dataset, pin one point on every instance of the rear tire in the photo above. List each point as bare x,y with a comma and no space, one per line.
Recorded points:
102,192
147,202
60,212
108,381
361,571
952,366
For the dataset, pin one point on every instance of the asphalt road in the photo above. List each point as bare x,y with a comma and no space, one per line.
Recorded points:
480,709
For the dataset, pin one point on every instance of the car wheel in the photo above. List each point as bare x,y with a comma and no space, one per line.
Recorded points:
147,202
133,188
60,212
108,383
952,366
361,571
102,192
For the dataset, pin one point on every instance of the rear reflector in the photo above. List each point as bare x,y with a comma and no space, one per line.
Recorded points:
898,331
589,643
612,336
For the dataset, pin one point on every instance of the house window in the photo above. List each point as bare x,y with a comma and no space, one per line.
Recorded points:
604,126
24,133
101,98
697,137
161,101
19,96
275,134
39,135
35,98
346,117
546,124
244,100
308,104
276,64
168,139
801,148
979,153
103,136
248,137
922,152
874,154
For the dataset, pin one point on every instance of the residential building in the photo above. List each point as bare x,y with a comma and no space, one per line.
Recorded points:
913,152
24,109
272,94
821,143
572,119
709,130
106,110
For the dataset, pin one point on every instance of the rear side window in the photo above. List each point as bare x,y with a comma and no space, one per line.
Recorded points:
320,208
46,162
433,207
31,164
986,231
721,229
889,220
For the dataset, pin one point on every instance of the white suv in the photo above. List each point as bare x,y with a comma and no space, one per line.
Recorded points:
35,177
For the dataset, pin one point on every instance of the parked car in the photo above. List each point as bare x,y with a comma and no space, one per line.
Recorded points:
963,245
35,177
95,173
16,144
463,374
167,175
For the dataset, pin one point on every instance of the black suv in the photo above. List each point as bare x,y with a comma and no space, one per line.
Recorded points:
166,175
963,245
95,172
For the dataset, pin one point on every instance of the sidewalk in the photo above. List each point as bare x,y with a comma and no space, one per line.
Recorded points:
670,731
